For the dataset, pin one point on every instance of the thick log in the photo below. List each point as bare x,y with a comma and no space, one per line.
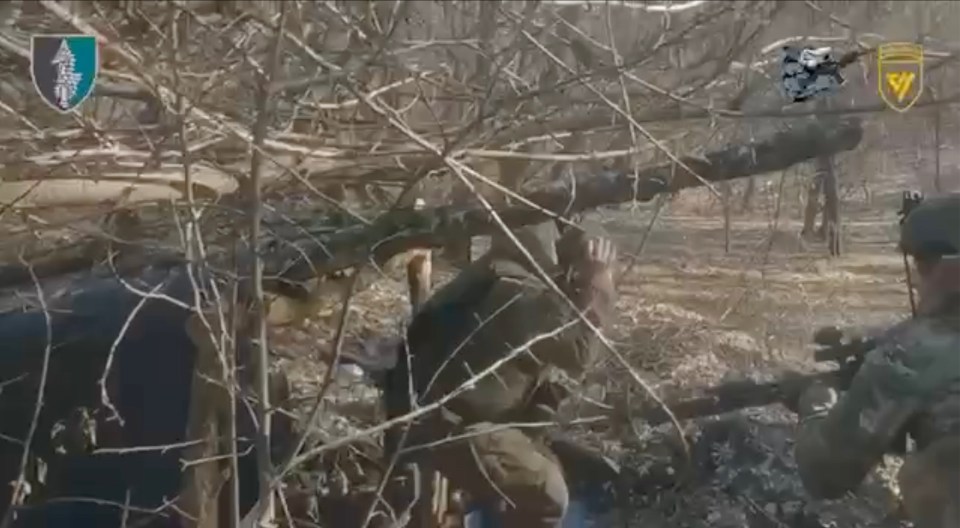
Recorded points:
400,230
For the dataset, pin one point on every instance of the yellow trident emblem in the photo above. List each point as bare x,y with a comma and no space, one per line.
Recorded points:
900,74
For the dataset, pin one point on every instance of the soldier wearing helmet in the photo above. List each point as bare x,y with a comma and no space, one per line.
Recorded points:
909,385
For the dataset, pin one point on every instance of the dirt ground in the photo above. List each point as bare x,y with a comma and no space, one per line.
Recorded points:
763,298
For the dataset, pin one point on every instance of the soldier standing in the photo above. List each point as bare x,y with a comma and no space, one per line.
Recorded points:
908,385
499,313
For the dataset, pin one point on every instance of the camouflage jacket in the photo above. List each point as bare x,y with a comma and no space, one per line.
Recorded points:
910,384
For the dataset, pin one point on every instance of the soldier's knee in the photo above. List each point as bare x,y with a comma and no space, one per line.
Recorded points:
556,496
541,505
530,482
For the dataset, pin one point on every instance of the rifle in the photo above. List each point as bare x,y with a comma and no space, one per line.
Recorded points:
847,354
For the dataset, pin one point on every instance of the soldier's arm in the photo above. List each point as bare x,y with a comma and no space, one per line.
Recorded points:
838,444
588,263
589,283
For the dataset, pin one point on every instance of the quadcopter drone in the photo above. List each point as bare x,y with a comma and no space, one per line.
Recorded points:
808,72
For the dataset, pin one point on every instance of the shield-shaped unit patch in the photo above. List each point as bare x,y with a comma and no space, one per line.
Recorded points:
64,69
900,74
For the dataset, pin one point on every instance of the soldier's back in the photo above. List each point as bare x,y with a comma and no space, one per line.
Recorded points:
480,321
925,353
928,351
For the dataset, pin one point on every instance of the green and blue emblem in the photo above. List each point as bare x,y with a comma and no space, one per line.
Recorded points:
64,69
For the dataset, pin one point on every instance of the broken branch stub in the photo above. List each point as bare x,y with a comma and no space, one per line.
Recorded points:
403,229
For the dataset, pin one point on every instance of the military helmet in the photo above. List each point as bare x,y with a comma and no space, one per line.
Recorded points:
932,229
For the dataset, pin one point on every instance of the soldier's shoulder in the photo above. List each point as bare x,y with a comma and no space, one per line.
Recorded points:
512,274
922,352
469,287
921,337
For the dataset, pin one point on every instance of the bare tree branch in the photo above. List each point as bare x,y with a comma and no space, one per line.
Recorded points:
258,321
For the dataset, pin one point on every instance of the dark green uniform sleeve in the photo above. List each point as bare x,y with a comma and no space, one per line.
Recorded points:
835,450
576,347
566,342
539,317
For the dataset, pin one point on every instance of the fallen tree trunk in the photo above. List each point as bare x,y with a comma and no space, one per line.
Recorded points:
402,230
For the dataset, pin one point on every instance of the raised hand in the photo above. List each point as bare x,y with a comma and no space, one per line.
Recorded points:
589,257
586,251
601,255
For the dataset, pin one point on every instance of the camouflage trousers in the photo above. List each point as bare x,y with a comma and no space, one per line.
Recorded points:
498,466
930,484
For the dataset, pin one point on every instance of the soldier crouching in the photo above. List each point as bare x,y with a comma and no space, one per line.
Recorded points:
498,315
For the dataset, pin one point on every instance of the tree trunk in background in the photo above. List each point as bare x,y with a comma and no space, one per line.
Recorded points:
827,175
747,204
812,207
750,189
824,182
830,228
725,203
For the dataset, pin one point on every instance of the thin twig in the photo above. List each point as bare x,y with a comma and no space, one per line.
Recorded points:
258,312
20,486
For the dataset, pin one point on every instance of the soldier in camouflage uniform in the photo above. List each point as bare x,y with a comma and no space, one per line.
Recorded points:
909,384
497,305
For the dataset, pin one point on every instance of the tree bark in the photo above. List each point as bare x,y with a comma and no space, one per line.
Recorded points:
826,169
403,229
400,230
812,207
831,205
725,199
746,205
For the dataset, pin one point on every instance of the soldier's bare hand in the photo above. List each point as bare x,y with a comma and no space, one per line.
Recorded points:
580,249
601,253
589,257
595,259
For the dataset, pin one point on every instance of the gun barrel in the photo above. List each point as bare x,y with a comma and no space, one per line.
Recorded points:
733,396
